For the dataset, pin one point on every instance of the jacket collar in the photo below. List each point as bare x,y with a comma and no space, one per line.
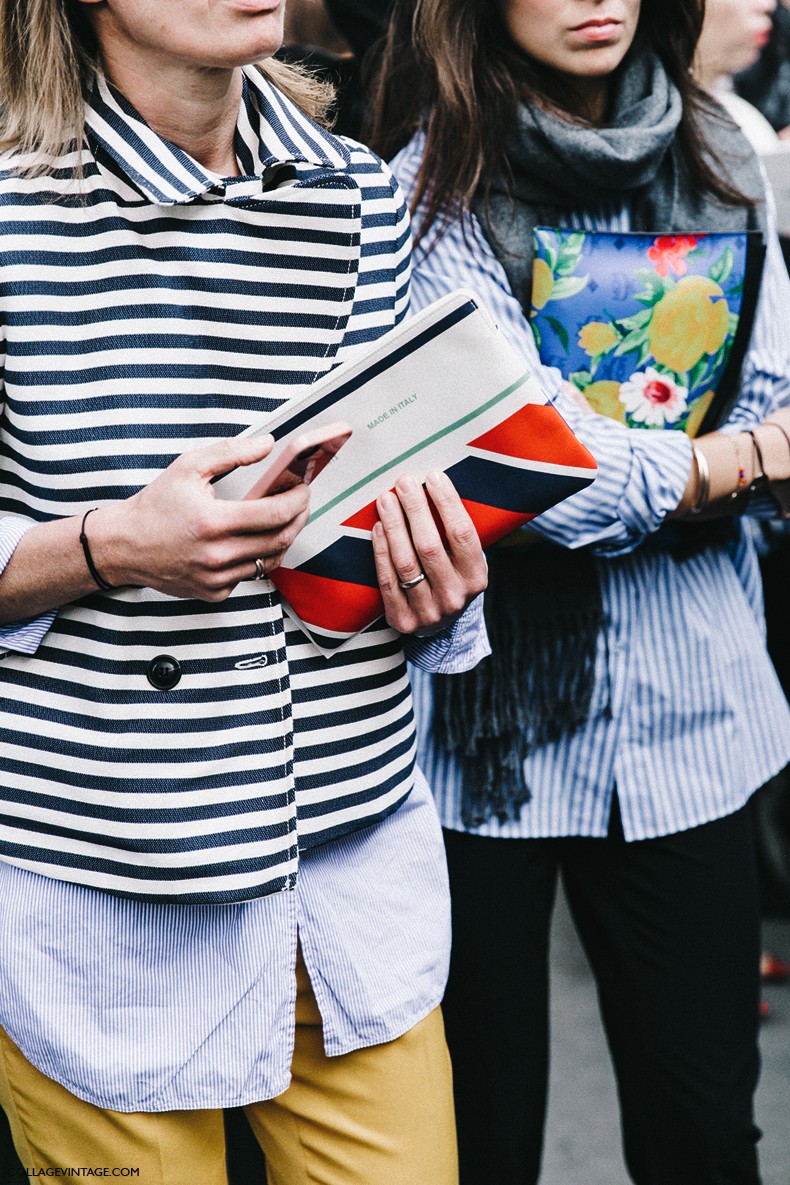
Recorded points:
271,131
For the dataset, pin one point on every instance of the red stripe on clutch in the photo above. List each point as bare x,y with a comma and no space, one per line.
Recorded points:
333,605
364,519
537,432
491,523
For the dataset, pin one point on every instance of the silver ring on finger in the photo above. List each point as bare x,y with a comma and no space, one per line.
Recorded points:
260,570
407,584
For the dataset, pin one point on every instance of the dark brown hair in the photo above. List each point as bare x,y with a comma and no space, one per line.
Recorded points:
451,67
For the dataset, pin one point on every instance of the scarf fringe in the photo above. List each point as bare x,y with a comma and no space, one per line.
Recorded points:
544,613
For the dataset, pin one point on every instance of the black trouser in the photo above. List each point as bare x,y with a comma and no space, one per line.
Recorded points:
671,930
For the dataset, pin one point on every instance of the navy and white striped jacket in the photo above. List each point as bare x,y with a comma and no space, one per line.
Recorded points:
160,308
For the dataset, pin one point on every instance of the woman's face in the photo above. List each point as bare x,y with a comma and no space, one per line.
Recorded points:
197,34
733,33
584,39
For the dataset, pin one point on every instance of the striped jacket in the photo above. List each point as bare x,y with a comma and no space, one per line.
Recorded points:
160,308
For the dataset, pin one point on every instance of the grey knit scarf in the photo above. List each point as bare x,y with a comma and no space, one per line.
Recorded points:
543,605
560,167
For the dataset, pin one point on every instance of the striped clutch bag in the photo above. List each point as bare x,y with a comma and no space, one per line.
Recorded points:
442,391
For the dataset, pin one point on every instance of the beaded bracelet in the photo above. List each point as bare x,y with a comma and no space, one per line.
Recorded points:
101,582
741,483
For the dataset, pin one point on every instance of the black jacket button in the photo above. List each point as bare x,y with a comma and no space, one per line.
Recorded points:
163,672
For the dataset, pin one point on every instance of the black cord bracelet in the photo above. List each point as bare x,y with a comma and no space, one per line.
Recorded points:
760,479
102,583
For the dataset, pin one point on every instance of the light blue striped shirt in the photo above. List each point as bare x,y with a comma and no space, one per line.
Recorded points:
688,717
156,1006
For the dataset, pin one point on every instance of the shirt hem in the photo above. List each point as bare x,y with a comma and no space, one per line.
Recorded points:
142,1107
735,804
146,1107
339,1048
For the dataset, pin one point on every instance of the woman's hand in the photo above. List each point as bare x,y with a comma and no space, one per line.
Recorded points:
442,575
175,536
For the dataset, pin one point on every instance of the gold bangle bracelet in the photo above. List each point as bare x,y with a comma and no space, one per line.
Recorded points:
703,490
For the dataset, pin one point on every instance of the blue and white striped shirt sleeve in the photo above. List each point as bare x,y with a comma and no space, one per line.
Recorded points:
23,637
458,648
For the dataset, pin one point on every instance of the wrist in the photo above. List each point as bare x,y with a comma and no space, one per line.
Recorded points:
106,547
96,575
702,494
725,469
772,445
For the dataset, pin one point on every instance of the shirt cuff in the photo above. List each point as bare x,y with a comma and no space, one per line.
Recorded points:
457,648
642,474
21,637
667,456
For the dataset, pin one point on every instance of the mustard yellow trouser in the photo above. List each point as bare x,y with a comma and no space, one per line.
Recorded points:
378,1116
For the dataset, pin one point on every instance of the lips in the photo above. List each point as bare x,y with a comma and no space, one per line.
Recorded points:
596,23
256,6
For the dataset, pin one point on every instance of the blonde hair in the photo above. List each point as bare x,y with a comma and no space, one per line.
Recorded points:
48,57
48,61
311,94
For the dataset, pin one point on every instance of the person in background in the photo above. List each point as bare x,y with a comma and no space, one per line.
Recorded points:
308,23
334,39
221,874
733,34
629,709
766,83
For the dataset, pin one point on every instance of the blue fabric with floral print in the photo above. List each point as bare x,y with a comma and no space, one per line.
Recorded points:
643,325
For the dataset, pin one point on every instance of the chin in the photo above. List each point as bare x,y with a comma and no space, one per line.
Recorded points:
258,34
245,51
599,63
745,61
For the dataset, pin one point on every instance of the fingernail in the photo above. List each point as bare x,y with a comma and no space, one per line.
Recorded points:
407,484
386,502
435,479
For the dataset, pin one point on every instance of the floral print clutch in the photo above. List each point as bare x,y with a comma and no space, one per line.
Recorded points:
652,329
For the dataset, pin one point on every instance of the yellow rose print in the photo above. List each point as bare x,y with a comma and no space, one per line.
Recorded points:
596,337
542,283
698,413
688,322
604,397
